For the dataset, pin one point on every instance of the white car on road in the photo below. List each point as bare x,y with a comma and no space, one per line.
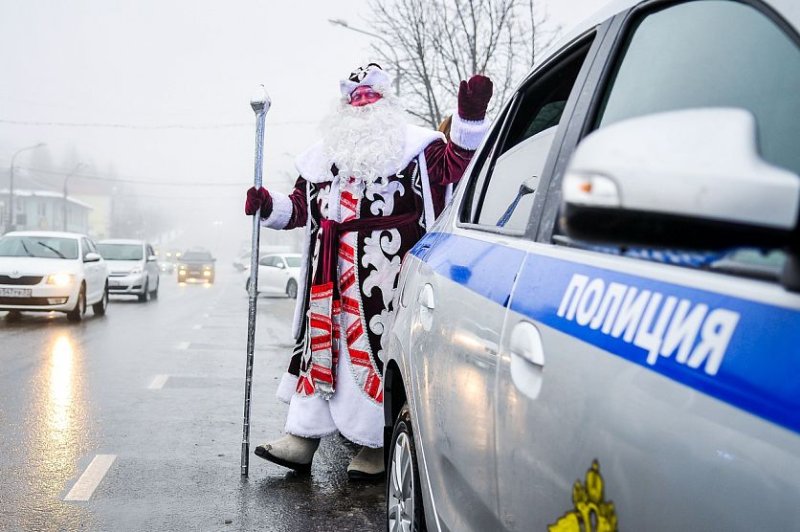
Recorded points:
133,268
45,271
278,273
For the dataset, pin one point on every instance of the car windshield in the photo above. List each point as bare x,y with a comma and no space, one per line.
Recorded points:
44,247
121,251
293,262
197,256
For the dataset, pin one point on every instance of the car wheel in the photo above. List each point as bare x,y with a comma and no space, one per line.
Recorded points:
291,289
404,509
145,296
13,315
100,307
154,293
76,314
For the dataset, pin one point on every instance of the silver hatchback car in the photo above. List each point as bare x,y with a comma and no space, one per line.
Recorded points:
602,332
133,268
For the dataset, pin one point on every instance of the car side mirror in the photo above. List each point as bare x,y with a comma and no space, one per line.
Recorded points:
690,179
152,258
281,265
91,257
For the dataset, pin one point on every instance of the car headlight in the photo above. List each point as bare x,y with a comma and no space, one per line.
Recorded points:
60,279
207,268
136,271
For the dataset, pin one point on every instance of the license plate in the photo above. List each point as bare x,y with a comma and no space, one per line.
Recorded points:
112,282
15,292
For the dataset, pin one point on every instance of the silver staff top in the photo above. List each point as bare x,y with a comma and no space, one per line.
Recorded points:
260,101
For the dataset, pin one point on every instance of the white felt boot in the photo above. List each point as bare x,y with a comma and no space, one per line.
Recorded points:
367,464
290,451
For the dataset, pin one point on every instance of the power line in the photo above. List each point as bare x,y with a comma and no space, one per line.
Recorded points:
172,198
150,126
133,180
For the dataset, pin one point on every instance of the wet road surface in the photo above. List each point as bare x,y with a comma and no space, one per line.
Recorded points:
156,389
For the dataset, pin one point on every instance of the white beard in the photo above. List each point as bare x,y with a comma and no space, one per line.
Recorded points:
367,142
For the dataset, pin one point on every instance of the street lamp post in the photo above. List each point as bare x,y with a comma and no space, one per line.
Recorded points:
64,199
344,24
11,224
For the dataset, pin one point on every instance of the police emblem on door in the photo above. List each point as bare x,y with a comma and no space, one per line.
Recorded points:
592,512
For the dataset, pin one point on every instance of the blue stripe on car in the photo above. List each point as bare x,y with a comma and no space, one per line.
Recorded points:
758,369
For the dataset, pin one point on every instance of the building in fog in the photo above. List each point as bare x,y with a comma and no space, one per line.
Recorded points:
99,215
44,210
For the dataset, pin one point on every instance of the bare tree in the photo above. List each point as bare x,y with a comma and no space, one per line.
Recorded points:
434,44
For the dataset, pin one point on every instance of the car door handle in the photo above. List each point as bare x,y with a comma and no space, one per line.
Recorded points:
426,299
527,359
427,304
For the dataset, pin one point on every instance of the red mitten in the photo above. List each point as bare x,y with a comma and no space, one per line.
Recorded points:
258,200
473,97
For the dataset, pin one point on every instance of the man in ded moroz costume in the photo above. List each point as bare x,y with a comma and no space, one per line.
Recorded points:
367,192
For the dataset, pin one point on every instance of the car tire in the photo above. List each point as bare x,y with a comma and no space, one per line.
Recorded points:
291,289
404,506
100,307
13,315
154,293
77,313
144,297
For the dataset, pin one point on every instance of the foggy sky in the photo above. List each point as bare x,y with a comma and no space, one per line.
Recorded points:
148,62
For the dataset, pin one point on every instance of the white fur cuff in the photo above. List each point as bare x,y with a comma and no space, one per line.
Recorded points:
287,387
282,210
309,417
468,134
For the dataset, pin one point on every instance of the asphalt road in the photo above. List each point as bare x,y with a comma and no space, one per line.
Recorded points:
155,389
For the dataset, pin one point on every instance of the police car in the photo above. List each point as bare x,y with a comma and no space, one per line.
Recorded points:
603,330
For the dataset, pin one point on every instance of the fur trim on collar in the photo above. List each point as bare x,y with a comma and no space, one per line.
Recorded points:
315,167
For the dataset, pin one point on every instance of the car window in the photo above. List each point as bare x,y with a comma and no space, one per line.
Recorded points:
710,53
268,261
293,262
510,176
713,54
85,246
480,170
120,251
39,246
197,256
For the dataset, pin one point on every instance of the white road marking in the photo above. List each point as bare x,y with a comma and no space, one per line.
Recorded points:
158,382
183,346
197,327
91,478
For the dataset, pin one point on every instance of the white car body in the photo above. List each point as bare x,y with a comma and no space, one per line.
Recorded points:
278,273
134,277
47,284
538,374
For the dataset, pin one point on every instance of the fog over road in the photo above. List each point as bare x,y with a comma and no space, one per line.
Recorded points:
151,396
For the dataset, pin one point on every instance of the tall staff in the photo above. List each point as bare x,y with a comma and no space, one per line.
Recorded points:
260,103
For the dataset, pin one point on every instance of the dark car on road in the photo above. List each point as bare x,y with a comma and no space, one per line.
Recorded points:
196,265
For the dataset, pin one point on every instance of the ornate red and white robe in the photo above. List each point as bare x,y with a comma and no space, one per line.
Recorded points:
356,237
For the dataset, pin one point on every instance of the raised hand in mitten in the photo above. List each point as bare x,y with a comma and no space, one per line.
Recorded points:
473,97
258,200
